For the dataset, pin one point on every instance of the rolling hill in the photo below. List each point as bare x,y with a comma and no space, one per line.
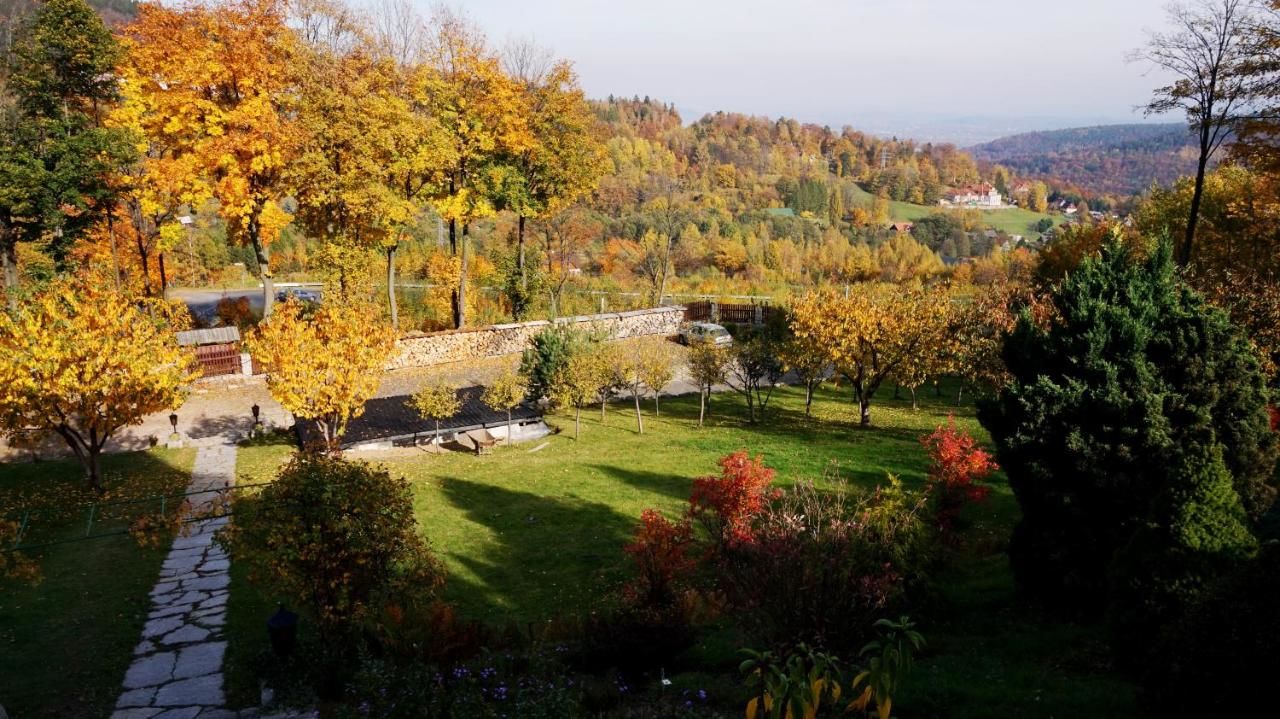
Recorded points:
1107,159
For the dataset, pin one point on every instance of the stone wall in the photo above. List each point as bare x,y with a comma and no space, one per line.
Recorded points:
424,350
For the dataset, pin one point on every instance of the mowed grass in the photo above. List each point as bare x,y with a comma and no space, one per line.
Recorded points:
66,642
532,535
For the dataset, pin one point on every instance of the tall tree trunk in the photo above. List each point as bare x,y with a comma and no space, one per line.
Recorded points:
115,254
164,278
144,256
960,394
702,406
603,400
9,258
509,425
657,411
864,409
460,298
915,405
635,394
263,255
808,399
577,422
1184,256
391,286
93,468
520,258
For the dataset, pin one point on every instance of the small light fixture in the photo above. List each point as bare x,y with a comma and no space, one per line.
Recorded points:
173,420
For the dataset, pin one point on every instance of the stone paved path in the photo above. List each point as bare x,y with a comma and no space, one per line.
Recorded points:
177,667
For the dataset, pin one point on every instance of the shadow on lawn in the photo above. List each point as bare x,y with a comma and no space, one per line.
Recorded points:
532,566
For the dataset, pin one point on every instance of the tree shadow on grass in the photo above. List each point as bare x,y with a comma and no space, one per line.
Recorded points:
668,485
544,556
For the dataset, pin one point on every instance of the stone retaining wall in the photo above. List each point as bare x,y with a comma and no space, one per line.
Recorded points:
424,350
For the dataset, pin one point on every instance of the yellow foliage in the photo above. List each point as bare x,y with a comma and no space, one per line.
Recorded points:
326,366
83,363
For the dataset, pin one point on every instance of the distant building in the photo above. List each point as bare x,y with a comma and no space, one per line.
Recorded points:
902,227
984,196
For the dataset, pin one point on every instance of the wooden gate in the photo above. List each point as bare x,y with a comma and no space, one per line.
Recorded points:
221,359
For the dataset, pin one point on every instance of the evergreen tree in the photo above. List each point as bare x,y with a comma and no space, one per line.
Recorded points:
1134,365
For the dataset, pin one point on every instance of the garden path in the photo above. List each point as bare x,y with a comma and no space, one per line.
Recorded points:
177,667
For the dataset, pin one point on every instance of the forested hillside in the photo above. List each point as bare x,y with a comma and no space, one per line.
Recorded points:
1106,160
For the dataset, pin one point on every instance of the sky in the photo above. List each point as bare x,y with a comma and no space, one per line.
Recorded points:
879,65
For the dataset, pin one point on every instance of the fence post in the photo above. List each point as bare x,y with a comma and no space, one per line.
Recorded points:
759,314
715,311
246,364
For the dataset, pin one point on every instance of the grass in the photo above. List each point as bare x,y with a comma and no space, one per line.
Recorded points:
527,536
1013,221
66,642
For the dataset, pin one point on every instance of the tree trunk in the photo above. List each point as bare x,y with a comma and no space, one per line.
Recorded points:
864,407
115,254
391,287
520,257
577,422
9,258
960,394
635,394
93,468
460,303
1184,256
509,426
937,388
145,258
263,256
603,400
897,391
702,406
164,278
915,405
808,399
657,411
437,439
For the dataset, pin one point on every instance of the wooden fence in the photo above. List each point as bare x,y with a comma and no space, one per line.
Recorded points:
220,359
725,313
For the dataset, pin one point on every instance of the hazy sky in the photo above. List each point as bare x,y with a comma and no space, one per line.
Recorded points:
853,62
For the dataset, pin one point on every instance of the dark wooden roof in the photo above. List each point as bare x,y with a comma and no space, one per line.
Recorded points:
385,418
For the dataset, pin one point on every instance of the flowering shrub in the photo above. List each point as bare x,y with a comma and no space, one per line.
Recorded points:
660,552
726,505
956,465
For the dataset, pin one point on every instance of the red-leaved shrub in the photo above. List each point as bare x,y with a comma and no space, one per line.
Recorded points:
726,505
956,465
660,551
1275,418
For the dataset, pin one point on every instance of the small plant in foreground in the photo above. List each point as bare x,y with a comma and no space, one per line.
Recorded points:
956,465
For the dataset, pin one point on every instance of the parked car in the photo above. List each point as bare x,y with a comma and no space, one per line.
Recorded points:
304,295
699,332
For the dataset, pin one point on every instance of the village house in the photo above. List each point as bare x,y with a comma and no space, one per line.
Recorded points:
983,195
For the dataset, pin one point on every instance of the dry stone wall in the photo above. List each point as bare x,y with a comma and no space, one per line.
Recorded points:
424,350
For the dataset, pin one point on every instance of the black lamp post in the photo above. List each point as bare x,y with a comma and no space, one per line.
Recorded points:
173,422
257,420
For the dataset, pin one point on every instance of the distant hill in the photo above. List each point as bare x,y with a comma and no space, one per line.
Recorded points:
1107,159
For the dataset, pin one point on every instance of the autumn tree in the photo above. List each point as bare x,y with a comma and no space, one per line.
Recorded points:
504,394
869,334
324,365
1208,52
578,380
808,362
482,112
439,401
753,370
366,158
708,365
227,74
628,373
565,237
83,363
566,159
656,366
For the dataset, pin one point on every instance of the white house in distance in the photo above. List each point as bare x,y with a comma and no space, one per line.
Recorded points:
982,196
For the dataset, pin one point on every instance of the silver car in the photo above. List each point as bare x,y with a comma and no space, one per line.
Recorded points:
700,332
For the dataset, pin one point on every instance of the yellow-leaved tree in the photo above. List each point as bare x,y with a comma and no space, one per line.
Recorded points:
83,363
325,365
222,80
483,113
505,393
870,334
436,402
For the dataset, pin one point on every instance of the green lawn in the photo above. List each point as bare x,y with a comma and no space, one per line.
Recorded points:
531,535
66,642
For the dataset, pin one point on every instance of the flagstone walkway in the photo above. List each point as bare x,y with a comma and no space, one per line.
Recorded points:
177,667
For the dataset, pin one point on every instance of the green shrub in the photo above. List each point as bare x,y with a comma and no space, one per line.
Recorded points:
1196,533
1133,365
548,354
337,541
